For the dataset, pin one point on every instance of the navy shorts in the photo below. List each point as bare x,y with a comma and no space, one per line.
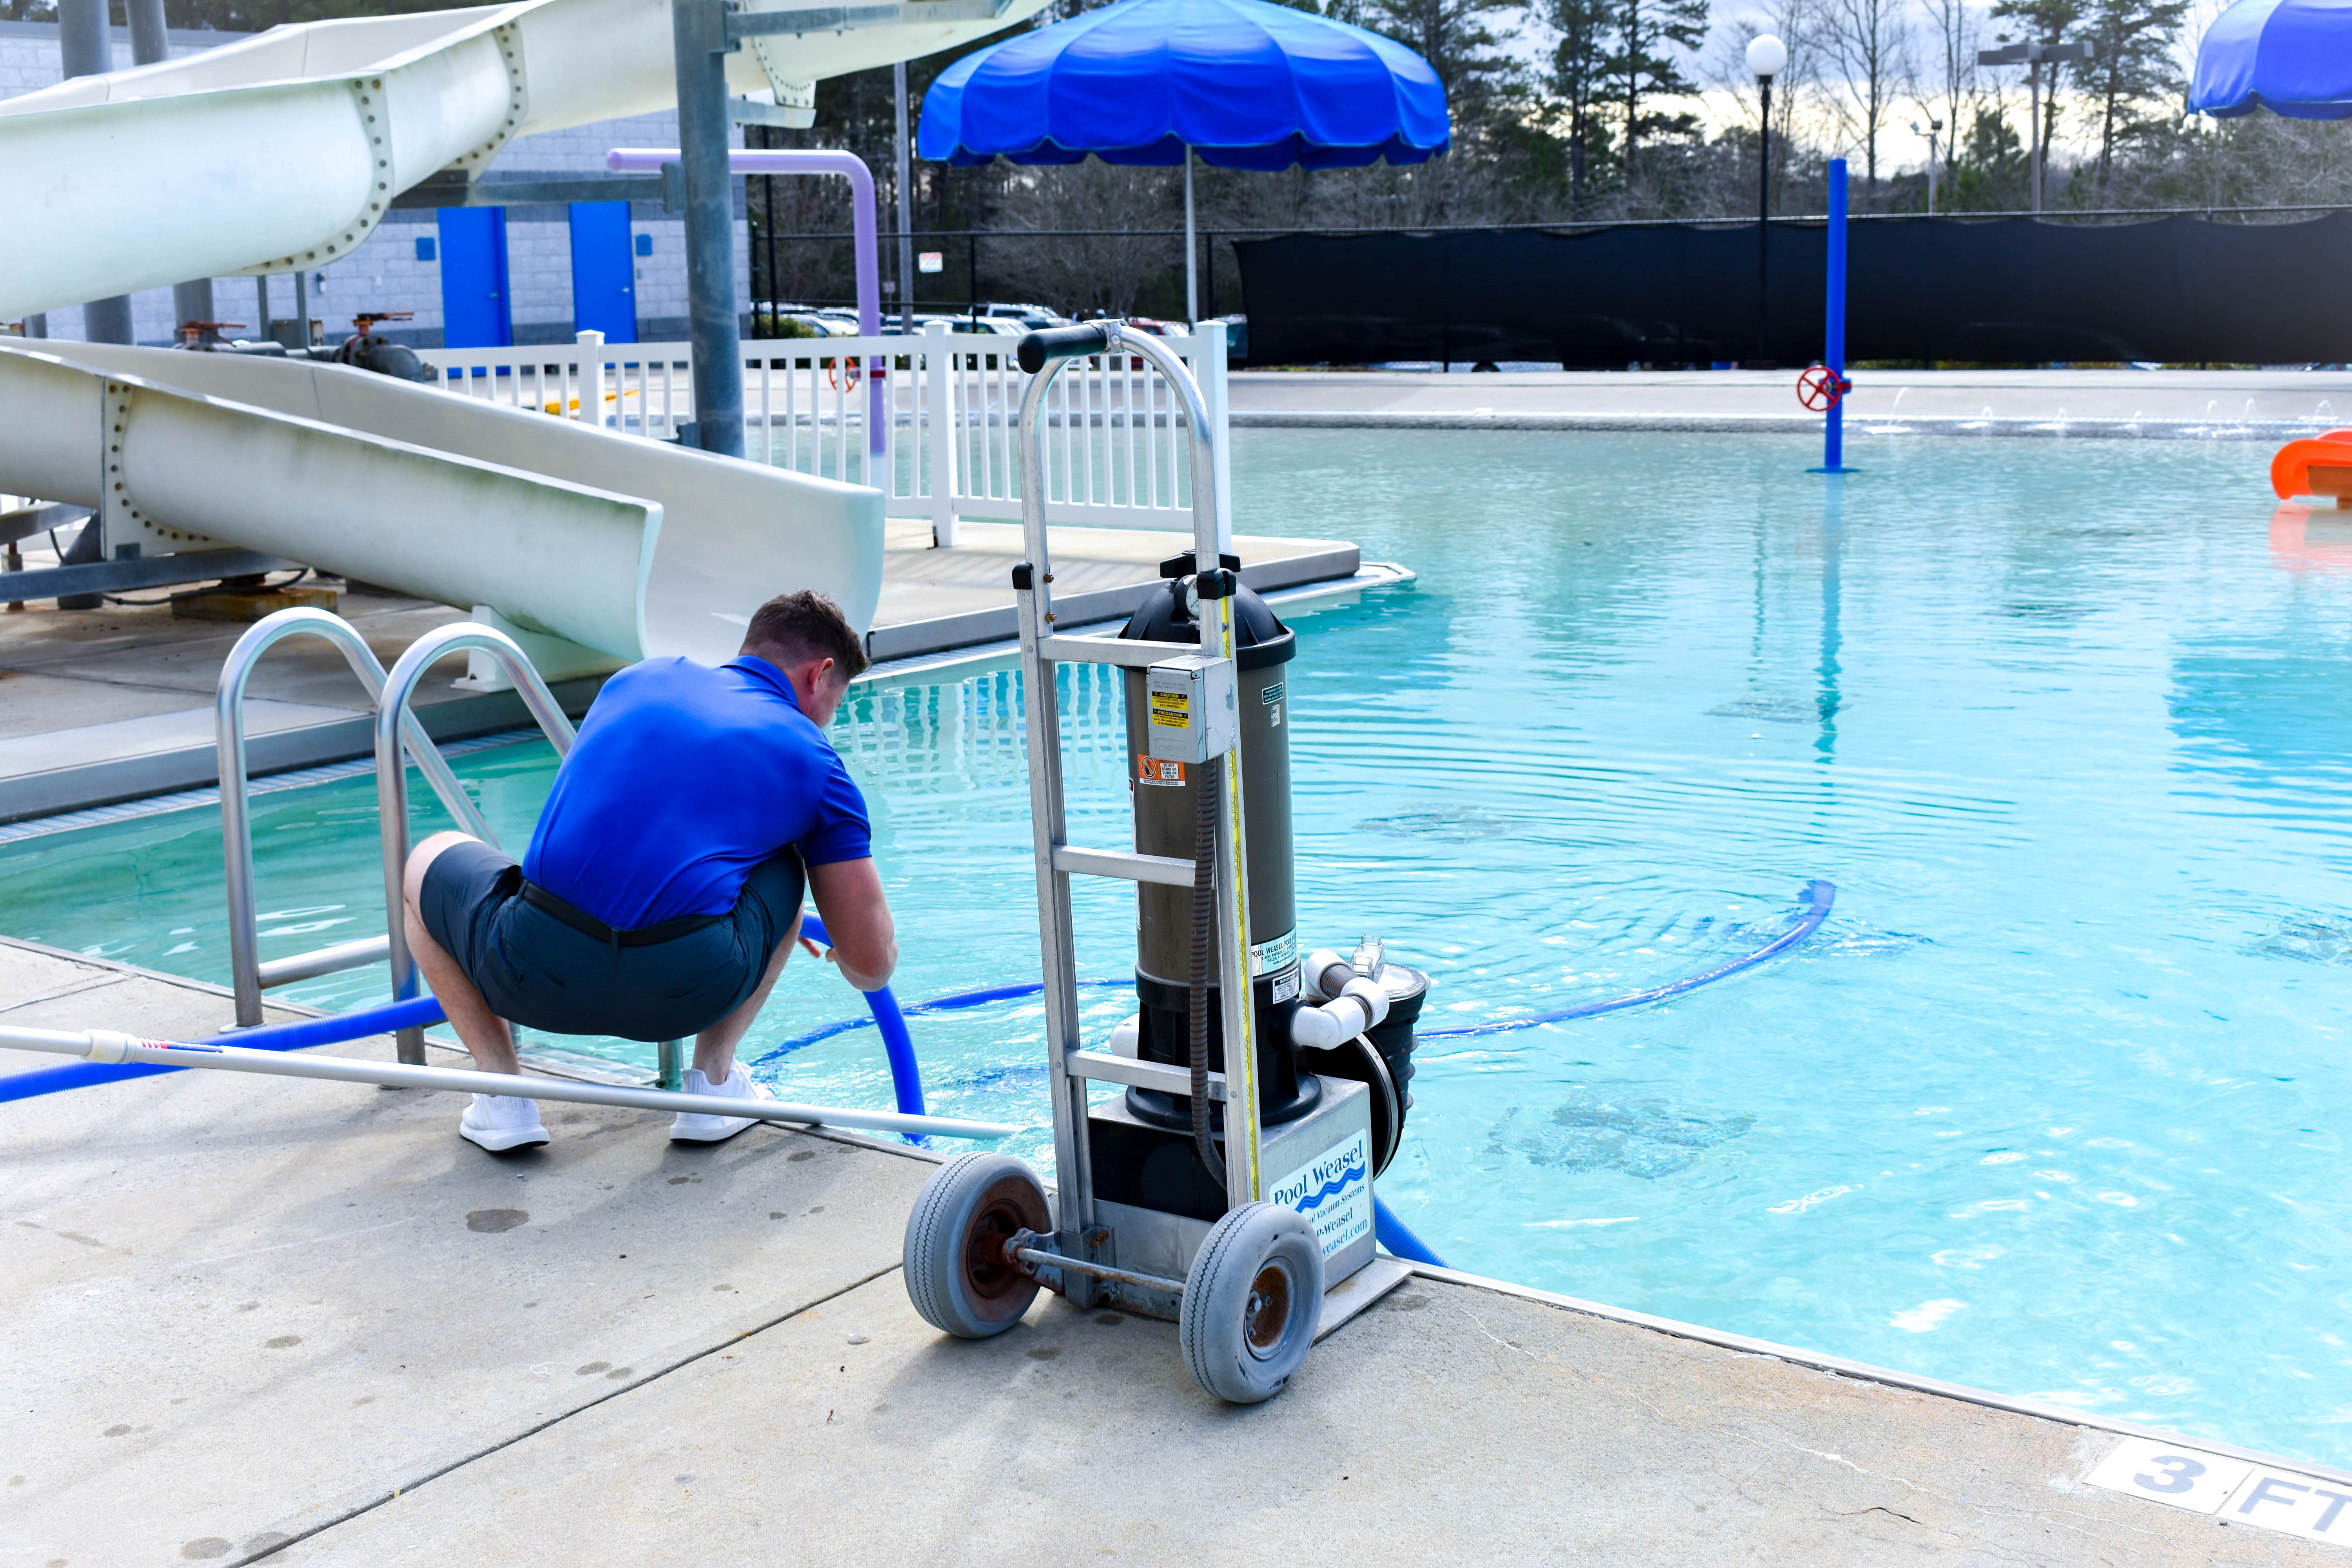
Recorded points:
537,970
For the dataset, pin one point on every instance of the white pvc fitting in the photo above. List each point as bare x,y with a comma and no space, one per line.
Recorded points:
1322,1028
1372,994
1319,978
1127,1040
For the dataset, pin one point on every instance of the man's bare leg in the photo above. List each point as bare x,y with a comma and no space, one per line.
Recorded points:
714,1048
485,1033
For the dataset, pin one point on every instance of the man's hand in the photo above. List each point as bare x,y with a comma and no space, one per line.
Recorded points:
848,896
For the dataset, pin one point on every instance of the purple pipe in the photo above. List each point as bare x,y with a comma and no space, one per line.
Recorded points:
795,161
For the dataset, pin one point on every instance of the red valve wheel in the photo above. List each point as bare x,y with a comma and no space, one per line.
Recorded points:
1821,389
835,370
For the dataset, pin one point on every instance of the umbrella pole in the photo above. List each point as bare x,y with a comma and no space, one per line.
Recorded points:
1191,298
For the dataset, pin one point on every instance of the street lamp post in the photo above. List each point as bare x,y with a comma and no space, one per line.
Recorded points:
1768,57
1934,126
2031,55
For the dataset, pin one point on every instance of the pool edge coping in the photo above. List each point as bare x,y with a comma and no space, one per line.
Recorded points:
1865,1371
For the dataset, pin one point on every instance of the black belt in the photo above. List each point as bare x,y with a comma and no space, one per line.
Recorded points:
588,925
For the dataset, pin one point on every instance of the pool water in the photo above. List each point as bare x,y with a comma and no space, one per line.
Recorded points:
2055,1103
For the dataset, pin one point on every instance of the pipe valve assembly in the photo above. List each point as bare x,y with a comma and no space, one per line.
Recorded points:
1357,1003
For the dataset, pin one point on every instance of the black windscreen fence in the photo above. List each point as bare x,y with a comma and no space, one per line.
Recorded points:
2175,289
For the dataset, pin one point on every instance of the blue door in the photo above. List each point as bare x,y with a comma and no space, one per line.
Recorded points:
476,311
603,272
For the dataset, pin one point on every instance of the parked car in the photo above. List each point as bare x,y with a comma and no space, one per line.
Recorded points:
1029,316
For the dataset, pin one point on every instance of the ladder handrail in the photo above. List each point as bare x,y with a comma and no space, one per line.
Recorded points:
236,807
391,779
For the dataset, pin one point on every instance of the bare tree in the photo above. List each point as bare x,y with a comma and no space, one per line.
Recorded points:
1795,91
1955,33
1102,271
1868,49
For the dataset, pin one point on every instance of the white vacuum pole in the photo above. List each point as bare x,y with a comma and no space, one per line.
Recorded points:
1191,300
106,1046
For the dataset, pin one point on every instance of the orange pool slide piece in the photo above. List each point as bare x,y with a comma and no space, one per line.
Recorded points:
2321,466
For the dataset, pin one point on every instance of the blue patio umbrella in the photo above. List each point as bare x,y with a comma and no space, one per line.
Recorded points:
1245,84
2291,56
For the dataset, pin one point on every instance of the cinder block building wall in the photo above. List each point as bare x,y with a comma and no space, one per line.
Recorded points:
392,270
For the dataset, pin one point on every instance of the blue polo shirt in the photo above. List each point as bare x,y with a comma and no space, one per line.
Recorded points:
684,778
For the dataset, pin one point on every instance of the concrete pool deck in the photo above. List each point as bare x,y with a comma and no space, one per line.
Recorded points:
302,1320
2253,404
114,704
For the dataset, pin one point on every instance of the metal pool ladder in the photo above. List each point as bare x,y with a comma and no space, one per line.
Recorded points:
396,728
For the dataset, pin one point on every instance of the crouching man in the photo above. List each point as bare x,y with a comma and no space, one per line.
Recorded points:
661,894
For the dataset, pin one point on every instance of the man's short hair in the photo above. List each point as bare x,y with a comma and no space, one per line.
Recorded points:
793,628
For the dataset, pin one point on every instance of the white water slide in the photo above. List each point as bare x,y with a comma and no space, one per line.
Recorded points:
285,151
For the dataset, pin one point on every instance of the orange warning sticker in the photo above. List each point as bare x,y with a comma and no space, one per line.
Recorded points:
1156,771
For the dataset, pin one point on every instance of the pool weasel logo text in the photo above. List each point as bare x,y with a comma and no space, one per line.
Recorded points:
1334,1190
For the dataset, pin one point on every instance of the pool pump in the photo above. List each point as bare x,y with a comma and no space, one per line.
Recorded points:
1229,1187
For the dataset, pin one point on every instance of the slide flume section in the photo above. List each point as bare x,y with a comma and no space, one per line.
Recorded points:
625,546
285,150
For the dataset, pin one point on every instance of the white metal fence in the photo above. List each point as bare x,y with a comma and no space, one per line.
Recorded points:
1116,443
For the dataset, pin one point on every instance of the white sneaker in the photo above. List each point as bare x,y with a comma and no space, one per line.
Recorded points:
502,1122
693,1127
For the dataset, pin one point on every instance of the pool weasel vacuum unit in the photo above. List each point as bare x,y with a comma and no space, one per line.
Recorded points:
1231,1185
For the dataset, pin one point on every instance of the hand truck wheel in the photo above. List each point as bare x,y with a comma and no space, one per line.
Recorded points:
1251,1302
957,1274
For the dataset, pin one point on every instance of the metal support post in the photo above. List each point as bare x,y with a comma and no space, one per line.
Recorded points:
1192,250
2033,140
150,40
301,343
699,28
1764,223
86,48
906,211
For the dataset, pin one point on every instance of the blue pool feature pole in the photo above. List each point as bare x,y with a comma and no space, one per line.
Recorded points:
1834,350
1391,1233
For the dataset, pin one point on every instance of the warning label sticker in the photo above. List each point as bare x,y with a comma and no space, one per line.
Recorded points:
1158,770
1171,709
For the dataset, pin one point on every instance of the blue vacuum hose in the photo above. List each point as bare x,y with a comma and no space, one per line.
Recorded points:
1820,896
1391,1233
417,1013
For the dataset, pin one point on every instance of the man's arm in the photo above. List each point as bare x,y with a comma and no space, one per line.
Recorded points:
857,917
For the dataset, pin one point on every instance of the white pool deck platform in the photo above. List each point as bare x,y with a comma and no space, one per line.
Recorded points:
302,1321
115,704
2214,405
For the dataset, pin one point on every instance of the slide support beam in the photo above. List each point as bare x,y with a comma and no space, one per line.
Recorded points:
699,27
